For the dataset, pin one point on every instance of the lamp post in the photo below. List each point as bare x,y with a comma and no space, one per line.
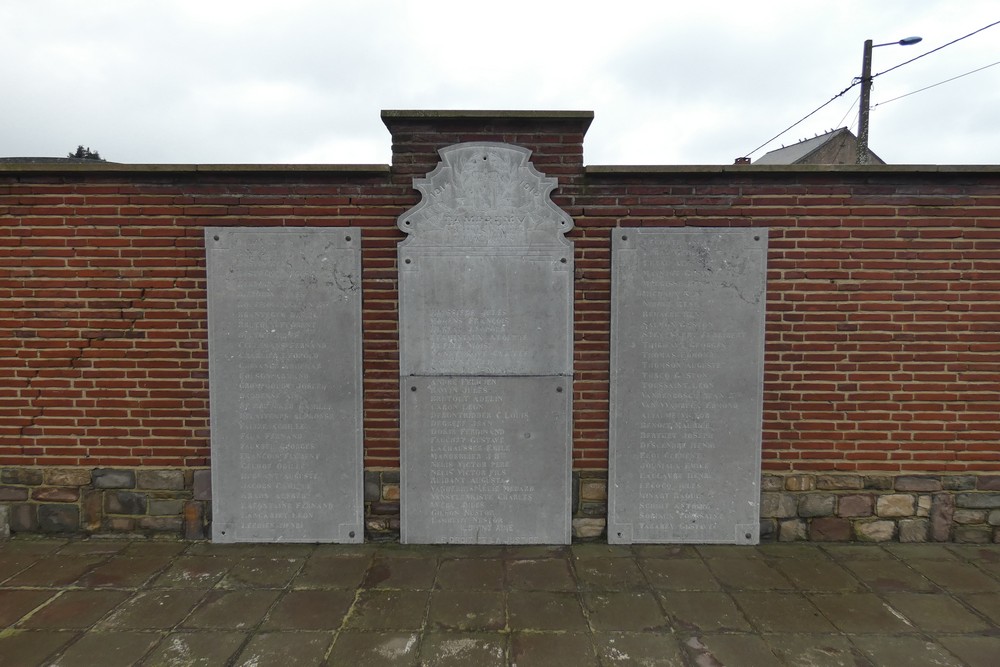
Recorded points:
866,90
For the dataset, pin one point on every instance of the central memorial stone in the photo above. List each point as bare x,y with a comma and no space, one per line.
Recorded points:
486,359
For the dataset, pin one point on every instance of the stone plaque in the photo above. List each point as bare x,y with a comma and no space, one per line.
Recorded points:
687,348
486,460
486,356
284,307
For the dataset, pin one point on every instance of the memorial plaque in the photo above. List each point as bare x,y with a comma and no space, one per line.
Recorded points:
485,460
486,357
284,307
687,332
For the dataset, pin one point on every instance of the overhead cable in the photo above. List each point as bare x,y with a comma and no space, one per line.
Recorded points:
934,85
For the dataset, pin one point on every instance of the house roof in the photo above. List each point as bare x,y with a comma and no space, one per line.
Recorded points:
801,152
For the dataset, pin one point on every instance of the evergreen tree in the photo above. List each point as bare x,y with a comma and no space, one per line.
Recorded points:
85,153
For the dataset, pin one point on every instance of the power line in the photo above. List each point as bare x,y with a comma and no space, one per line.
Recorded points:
934,85
937,49
857,81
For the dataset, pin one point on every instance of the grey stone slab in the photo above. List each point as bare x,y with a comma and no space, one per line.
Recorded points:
687,347
285,384
486,275
486,460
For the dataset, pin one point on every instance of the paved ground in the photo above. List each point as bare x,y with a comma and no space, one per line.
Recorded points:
106,603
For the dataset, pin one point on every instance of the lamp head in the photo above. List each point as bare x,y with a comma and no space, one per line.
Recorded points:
907,41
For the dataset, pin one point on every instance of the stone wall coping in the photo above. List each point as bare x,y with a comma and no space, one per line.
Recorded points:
631,170
118,167
451,114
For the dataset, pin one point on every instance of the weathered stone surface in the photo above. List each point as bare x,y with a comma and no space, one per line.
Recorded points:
593,490
855,505
772,483
373,486
194,520
390,493
201,482
988,483
816,504
973,534
588,528
120,524
792,530
23,518
67,476
110,478
13,493
918,483
830,529
58,518
978,500
778,505
839,482
942,511
54,494
686,375
958,482
26,476
92,510
125,502
768,530
924,505
994,518
875,531
487,460
800,482
914,530
4,522
896,505
964,516
162,524
165,506
877,482
284,308
160,479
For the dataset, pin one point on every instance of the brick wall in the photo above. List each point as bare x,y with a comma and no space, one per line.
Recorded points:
883,317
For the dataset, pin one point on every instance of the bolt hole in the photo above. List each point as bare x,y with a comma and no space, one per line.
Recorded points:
747,536
756,238
406,261
413,388
562,261
484,157
624,238
347,238
406,222
351,534
559,390
216,238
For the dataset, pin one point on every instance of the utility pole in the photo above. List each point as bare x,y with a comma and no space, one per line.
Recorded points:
865,103
866,92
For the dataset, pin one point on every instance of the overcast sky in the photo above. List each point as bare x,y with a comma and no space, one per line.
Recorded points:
303,81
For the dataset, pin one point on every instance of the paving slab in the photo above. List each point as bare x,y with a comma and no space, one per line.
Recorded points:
195,649
152,610
194,572
74,609
323,571
730,649
910,651
976,651
375,649
631,611
460,649
285,649
545,610
15,604
608,574
542,574
680,574
467,611
777,612
861,613
108,649
639,649
389,610
890,576
818,650
310,610
231,610
543,649
937,613
703,611
480,574
32,647
408,573
960,577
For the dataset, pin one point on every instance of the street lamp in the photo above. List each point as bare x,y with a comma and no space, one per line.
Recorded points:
866,90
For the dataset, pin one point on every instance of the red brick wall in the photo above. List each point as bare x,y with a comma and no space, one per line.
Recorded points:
883,312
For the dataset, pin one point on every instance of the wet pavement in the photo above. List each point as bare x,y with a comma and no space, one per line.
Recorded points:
102,602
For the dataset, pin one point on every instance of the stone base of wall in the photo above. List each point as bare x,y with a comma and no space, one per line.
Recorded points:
793,507
880,508
140,501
